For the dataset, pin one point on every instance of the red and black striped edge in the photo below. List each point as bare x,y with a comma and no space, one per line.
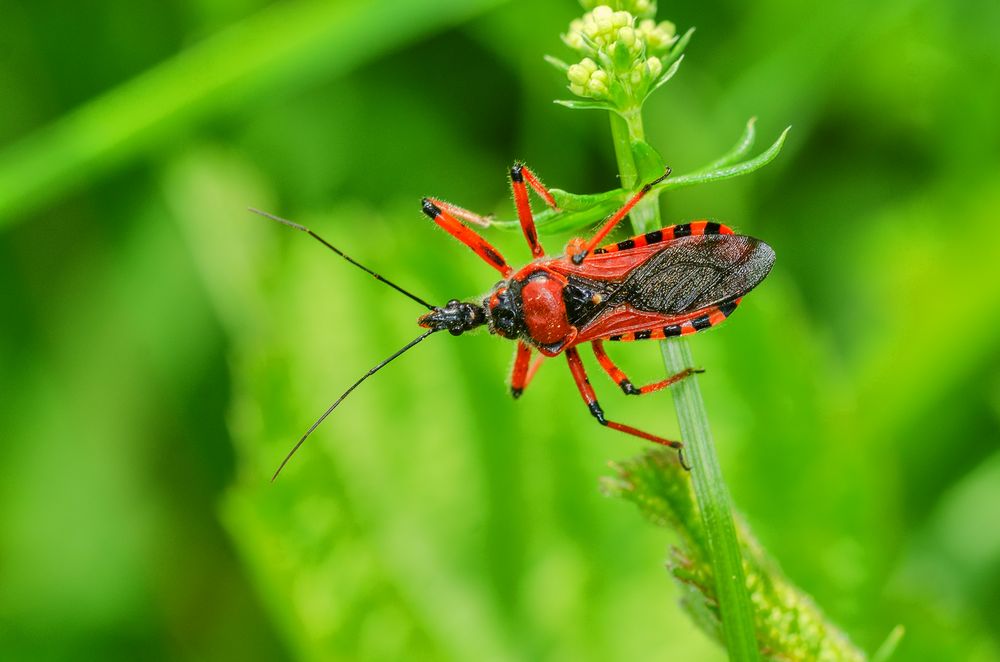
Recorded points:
692,229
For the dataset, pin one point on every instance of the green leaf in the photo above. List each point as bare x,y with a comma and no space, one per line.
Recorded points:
622,57
575,212
740,149
578,104
727,172
557,63
580,211
574,202
666,75
678,50
648,161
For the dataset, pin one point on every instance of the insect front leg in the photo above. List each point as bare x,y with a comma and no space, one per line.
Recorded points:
523,370
587,391
519,175
439,213
464,214
619,377
579,250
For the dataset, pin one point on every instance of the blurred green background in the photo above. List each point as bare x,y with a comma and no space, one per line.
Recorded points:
161,348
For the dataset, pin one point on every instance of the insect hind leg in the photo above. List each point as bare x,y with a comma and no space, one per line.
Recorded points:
587,391
619,377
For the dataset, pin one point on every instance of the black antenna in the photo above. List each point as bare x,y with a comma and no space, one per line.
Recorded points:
345,394
285,221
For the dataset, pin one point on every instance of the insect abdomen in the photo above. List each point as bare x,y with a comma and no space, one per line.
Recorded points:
704,320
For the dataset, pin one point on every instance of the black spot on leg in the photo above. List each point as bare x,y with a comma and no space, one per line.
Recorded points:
493,257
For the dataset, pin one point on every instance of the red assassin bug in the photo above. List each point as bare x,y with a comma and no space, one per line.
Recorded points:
670,282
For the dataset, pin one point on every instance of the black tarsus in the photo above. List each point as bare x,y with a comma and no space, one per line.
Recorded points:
680,458
302,228
345,394
666,173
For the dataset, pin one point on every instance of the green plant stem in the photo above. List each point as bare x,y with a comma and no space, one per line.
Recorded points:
710,489
622,139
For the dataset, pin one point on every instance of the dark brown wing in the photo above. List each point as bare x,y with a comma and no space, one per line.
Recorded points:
684,275
696,272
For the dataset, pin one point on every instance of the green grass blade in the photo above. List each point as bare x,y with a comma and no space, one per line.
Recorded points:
281,48
714,503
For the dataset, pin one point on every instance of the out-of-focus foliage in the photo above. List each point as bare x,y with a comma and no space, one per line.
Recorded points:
160,348
787,623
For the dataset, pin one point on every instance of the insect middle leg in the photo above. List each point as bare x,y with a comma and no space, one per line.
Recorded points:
520,174
619,377
523,370
587,391
439,213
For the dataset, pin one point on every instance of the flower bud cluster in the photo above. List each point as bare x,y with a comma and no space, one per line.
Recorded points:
638,8
622,59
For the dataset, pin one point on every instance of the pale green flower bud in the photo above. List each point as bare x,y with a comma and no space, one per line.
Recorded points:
654,67
620,19
635,76
642,8
627,36
601,19
577,74
574,38
658,37
586,79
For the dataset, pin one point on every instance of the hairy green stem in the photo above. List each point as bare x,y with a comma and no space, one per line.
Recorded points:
710,489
